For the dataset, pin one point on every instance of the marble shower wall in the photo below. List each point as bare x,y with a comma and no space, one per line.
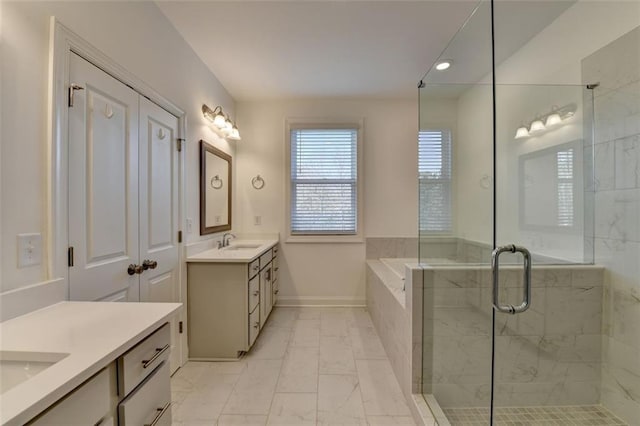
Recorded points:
616,192
549,355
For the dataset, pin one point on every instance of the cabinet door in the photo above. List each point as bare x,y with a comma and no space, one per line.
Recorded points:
159,212
103,184
266,292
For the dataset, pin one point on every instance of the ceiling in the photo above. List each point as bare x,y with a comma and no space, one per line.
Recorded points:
301,49
358,49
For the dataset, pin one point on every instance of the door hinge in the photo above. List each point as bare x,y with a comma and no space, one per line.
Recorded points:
180,327
70,257
72,88
179,236
179,144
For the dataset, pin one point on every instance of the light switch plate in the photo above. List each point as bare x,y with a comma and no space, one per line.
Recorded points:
189,225
29,250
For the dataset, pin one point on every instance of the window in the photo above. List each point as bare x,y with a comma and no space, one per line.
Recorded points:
564,167
324,181
434,168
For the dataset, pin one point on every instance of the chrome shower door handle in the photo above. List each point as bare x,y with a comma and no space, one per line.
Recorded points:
495,268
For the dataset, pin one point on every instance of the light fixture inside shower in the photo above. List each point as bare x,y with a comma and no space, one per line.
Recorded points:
544,122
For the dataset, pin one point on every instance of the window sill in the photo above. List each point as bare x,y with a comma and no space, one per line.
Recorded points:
324,239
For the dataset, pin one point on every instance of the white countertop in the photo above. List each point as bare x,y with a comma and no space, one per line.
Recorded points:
92,333
225,255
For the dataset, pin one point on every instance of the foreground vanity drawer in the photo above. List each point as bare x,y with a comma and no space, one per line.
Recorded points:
150,403
88,404
265,259
136,364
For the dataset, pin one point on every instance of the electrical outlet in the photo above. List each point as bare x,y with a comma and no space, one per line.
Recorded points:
189,225
257,220
218,219
29,250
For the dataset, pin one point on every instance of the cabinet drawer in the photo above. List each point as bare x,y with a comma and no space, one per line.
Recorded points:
265,259
275,251
254,293
149,402
136,364
254,326
86,405
254,268
276,270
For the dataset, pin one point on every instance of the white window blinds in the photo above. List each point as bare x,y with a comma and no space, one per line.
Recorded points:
434,168
324,181
564,164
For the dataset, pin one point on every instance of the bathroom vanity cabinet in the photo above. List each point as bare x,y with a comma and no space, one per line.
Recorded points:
133,390
111,367
229,301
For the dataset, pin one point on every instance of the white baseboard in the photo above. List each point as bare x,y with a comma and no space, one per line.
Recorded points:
330,301
23,300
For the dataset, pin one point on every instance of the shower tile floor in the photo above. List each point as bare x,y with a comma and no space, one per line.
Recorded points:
309,366
534,416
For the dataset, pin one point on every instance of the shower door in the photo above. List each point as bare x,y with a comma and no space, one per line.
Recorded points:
511,310
547,303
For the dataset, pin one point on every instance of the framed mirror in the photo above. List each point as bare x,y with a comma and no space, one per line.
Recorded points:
215,189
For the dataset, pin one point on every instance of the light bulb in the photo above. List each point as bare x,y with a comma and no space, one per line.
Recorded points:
522,132
553,119
235,134
537,126
219,120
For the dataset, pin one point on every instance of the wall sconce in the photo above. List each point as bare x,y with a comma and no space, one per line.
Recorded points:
544,122
222,122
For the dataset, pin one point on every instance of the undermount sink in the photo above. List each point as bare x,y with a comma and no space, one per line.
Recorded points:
242,247
18,367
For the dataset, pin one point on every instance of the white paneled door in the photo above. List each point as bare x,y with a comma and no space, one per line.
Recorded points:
103,185
159,211
123,195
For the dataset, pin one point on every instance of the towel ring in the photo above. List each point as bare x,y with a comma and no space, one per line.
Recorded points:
257,182
486,181
216,182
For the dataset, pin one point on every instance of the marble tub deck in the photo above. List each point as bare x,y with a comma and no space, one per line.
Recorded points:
309,366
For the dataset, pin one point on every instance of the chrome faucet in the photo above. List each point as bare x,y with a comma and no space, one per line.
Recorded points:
226,238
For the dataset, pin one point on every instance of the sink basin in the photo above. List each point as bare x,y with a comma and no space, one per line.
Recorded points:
243,247
18,367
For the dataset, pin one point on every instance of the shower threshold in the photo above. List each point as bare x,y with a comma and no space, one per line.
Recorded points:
534,416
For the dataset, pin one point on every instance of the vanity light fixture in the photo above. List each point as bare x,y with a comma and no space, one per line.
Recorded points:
222,122
545,122
444,65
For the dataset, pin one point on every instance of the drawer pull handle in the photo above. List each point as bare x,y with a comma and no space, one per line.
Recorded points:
276,269
256,293
161,412
276,292
256,325
159,351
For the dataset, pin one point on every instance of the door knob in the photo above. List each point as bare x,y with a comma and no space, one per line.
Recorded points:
135,269
149,264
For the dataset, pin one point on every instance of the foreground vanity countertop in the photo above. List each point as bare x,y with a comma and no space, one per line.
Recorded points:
236,252
94,334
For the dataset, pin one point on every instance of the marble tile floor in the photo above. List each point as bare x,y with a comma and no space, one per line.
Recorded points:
534,416
309,366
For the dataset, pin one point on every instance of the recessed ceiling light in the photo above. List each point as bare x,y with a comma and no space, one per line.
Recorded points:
441,66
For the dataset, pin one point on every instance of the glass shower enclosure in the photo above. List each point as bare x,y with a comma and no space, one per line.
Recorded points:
512,300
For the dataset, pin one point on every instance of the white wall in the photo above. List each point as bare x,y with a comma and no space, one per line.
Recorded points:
329,273
137,36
